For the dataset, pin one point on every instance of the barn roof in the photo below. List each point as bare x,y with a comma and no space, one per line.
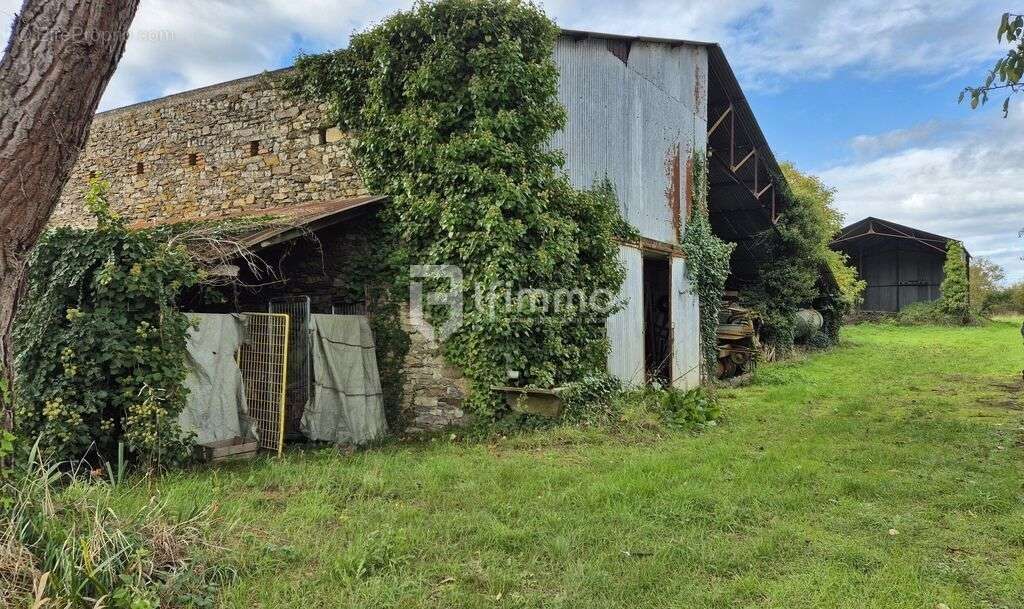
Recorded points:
296,220
873,231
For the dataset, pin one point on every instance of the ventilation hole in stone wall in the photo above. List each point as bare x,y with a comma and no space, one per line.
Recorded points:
193,159
92,174
139,168
322,135
254,147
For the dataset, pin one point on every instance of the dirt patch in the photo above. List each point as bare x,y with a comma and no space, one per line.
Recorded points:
1003,393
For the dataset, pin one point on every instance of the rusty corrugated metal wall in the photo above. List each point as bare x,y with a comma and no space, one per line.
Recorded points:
626,328
686,342
636,111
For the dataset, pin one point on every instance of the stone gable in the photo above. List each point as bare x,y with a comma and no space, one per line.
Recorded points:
231,148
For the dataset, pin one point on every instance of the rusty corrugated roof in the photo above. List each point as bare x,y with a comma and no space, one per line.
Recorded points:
282,219
304,216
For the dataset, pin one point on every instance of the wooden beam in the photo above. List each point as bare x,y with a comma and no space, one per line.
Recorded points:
725,113
737,167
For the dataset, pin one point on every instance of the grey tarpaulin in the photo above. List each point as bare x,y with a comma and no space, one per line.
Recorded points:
347,405
215,409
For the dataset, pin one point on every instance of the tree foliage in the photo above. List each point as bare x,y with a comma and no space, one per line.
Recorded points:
985,279
1006,73
453,103
797,263
100,348
955,301
1004,299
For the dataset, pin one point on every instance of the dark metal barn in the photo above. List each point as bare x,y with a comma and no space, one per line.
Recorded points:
901,265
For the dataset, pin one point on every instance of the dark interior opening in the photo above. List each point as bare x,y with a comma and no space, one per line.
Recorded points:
657,320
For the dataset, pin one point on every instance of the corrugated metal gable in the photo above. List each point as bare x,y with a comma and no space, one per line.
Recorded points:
635,113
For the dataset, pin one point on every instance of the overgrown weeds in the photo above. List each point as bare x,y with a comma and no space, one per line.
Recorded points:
66,542
602,403
930,314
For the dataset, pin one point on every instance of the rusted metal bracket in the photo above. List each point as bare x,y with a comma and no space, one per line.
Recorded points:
725,113
733,167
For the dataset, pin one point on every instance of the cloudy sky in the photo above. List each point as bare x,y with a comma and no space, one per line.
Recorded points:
860,92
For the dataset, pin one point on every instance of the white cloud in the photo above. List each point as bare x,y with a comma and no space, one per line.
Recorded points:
895,139
200,42
769,42
175,45
966,185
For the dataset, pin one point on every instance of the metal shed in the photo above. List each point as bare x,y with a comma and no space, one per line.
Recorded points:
641,111
901,265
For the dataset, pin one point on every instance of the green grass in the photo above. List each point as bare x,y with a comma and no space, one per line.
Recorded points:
788,503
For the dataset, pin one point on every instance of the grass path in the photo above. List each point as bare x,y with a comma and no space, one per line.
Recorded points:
886,473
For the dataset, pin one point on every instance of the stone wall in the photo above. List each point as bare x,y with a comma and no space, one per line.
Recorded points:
231,148
433,391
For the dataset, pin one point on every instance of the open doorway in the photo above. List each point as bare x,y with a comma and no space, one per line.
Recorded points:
657,320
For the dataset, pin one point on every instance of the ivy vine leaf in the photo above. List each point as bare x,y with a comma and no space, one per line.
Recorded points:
83,395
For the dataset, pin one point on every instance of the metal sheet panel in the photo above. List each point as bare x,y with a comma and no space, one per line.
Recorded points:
626,327
685,329
634,116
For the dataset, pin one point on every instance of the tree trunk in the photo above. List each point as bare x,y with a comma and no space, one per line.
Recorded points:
57,64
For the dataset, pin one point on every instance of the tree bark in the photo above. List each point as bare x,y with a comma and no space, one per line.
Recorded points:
58,61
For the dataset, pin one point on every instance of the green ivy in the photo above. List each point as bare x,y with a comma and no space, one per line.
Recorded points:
955,301
100,349
453,103
707,261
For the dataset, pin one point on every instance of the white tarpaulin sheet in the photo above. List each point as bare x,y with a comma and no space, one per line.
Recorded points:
347,405
215,409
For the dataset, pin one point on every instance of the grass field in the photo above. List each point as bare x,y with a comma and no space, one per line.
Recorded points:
885,473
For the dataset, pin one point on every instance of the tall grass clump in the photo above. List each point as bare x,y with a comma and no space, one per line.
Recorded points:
66,542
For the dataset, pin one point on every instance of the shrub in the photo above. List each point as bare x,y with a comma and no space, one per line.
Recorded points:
928,313
100,349
796,255
591,401
956,301
677,409
694,408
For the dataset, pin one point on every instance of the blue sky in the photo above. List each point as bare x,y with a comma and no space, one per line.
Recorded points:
860,92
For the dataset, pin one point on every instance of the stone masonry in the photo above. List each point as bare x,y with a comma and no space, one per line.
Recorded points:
232,148
433,390
238,148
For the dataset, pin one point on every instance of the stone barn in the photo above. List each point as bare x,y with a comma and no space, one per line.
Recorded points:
640,110
901,265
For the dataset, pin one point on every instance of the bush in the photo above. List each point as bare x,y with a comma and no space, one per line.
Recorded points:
100,348
798,268
592,400
677,409
63,540
928,313
955,301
